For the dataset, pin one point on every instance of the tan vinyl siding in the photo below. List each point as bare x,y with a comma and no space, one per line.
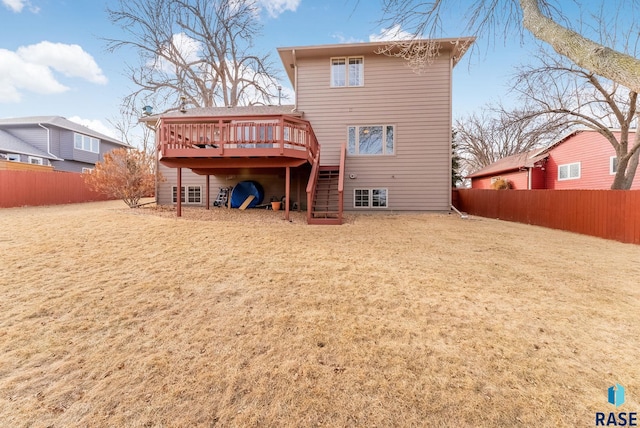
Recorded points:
418,175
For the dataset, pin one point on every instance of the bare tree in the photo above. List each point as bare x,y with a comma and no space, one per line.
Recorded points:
557,89
132,132
543,18
193,53
496,133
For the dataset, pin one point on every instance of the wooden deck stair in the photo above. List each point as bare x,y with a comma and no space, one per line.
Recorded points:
326,204
325,190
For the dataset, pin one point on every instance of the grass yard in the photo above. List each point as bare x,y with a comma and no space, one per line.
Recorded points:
133,318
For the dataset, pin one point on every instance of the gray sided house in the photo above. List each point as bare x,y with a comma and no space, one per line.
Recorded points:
54,141
365,133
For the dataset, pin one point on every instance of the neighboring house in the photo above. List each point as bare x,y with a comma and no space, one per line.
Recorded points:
366,133
522,171
55,141
583,159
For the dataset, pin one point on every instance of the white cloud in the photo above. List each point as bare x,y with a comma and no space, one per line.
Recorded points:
31,69
95,125
17,74
394,33
187,48
276,7
342,39
18,5
70,60
15,5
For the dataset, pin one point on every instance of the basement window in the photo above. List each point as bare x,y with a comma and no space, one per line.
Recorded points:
193,194
370,198
569,171
35,161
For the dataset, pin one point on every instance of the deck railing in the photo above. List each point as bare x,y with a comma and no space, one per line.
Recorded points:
311,185
229,136
343,156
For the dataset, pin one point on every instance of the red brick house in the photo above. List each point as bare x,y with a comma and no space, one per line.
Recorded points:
584,159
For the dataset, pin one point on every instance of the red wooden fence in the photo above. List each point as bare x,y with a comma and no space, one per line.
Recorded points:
609,214
19,188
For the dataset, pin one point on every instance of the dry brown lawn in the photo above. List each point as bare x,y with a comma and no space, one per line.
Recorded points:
118,317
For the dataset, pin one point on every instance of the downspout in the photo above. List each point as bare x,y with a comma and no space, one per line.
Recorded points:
48,142
295,80
450,131
529,170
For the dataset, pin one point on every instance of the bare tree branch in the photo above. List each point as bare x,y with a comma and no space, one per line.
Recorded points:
557,89
197,49
496,133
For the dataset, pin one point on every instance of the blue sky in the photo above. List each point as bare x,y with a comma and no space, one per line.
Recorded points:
53,60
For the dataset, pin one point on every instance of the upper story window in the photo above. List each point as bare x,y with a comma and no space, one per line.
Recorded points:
613,165
371,140
569,171
86,143
347,71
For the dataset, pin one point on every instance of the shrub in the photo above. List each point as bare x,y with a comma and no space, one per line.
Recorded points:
501,184
126,174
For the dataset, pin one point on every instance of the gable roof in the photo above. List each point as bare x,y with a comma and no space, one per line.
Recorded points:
289,55
60,122
12,144
511,163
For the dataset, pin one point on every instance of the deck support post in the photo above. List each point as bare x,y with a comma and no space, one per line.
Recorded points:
208,186
299,197
287,193
179,194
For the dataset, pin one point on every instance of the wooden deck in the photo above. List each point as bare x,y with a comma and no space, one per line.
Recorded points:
209,145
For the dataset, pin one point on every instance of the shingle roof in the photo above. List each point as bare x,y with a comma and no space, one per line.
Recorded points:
12,144
226,111
510,163
60,122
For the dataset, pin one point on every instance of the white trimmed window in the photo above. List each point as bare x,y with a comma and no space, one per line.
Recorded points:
36,161
87,170
371,140
370,198
13,157
347,71
86,143
613,165
193,194
569,171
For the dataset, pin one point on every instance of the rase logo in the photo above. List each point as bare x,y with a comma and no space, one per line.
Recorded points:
615,396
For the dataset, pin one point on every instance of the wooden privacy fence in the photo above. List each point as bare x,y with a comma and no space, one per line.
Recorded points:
20,188
609,214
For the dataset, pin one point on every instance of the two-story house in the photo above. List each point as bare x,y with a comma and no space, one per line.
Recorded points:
366,132
54,141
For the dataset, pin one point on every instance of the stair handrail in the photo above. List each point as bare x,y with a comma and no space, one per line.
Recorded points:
311,185
343,156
